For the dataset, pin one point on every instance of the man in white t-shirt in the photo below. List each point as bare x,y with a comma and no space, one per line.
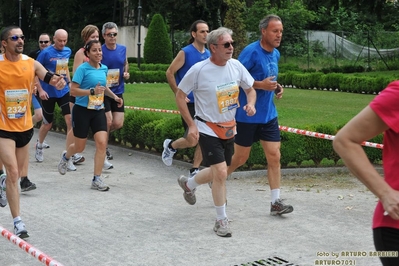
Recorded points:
215,84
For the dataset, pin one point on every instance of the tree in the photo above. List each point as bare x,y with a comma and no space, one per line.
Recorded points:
234,21
157,47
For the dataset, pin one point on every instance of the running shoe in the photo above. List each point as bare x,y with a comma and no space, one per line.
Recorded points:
222,228
168,153
20,230
26,185
3,196
279,208
188,195
98,184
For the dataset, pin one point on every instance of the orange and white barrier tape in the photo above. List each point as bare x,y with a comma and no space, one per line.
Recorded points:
29,248
282,128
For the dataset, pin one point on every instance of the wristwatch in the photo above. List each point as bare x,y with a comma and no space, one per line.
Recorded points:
92,91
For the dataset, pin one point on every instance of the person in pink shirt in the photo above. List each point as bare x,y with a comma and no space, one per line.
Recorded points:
380,116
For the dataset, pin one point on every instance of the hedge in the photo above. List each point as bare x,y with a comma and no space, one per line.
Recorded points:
147,131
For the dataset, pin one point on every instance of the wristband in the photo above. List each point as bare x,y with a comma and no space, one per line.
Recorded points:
48,76
91,91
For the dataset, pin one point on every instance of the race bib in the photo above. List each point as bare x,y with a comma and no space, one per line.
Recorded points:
96,102
227,96
113,77
61,67
16,102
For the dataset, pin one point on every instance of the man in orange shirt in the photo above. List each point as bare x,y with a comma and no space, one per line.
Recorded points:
17,79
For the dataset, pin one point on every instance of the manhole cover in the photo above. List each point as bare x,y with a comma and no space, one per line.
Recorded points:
269,261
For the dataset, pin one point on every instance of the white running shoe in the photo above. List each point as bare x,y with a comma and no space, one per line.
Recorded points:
39,154
168,153
107,165
3,197
70,166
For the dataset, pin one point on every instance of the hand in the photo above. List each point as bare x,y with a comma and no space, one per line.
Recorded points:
269,83
250,109
193,133
390,202
119,101
126,75
279,91
99,89
43,95
58,81
187,100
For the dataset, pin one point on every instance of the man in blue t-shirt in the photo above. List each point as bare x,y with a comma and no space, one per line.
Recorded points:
261,60
185,59
55,58
114,57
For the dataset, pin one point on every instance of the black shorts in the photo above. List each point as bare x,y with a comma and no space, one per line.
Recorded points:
387,239
248,133
83,119
111,105
72,99
48,107
21,138
191,109
215,150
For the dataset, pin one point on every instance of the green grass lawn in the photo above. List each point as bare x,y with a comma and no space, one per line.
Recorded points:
296,108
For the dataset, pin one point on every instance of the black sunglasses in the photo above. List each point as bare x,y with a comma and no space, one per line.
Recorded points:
112,34
226,45
15,38
41,42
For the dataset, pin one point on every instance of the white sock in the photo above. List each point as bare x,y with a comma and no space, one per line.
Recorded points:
275,194
220,212
39,145
191,184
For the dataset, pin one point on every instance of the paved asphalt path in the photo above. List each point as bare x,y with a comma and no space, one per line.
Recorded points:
144,220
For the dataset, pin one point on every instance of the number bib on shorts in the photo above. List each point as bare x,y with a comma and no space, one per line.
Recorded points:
16,102
227,96
96,102
113,77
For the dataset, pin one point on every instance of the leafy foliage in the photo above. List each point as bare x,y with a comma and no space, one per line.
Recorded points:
158,47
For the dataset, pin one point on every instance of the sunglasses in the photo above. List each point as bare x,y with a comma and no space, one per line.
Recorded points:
41,42
226,45
15,38
112,34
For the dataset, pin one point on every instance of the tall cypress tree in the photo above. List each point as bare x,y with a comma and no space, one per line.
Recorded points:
157,45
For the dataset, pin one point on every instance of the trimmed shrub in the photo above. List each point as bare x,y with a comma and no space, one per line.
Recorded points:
157,46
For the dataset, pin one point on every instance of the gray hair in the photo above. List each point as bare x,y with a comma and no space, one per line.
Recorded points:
213,36
265,21
109,25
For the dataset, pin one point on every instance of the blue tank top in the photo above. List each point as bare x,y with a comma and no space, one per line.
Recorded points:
192,56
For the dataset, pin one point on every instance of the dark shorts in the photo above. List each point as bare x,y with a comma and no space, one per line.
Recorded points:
111,105
387,239
83,119
248,133
21,138
215,150
48,107
72,99
191,109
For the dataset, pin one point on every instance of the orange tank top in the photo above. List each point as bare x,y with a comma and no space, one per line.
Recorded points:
16,84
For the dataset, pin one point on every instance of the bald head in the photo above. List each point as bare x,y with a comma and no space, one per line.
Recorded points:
60,39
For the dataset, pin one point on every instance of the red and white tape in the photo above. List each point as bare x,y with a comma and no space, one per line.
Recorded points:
324,136
29,248
282,128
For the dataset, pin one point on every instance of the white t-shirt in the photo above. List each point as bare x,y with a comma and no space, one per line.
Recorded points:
215,90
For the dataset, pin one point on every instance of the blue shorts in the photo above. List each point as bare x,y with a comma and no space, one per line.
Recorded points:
35,103
248,133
